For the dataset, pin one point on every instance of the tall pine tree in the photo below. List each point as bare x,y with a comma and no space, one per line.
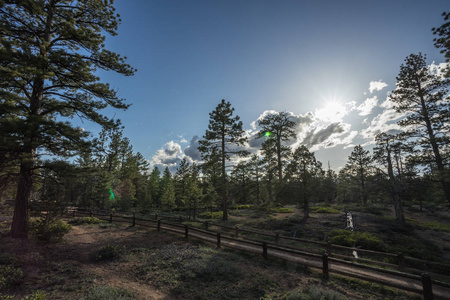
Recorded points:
49,53
224,131
424,99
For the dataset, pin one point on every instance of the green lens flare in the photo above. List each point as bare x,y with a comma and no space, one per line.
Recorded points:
267,134
111,197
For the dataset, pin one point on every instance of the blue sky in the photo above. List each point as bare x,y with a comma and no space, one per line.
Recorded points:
329,63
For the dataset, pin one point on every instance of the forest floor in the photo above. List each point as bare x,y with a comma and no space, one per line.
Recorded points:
140,263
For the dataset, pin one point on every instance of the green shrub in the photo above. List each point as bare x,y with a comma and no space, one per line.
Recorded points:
211,215
86,220
324,210
242,206
282,210
49,230
436,226
109,252
364,240
36,296
10,276
107,293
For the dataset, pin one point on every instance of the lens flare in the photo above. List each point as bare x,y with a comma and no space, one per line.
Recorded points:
111,197
268,134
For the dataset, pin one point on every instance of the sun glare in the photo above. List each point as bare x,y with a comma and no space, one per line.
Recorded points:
333,111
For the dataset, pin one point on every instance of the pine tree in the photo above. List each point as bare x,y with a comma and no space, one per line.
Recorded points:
49,53
277,128
359,165
383,153
224,131
443,40
154,186
304,169
181,181
424,99
167,190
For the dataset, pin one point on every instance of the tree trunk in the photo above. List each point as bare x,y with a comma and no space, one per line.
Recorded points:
398,206
224,184
305,200
435,147
20,219
280,169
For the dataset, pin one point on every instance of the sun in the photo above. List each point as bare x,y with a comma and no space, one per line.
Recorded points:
332,111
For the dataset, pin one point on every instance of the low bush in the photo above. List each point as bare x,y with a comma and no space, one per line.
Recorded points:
107,253
282,210
51,230
364,240
36,296
324,210
242,206
10,276
86,220
211,215
436,226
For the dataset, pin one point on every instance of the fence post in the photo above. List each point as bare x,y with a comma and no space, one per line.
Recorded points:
427,288
91,214
236,232
277,238
159,225
401,261
186,229
179,220
74,211
134,219
110,218
264,245
206,225
218,240
325,266
328,248
156,216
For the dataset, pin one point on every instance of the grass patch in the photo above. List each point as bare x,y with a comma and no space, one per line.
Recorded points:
10,276
324,210
196,272
311,293
107,293
85,220
271,223
436,226
414,247
242,206
369,289
364,240
211,215
282,210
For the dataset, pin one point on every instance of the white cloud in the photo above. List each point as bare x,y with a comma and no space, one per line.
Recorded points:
168,156
384,122
439,69
366,108
377,86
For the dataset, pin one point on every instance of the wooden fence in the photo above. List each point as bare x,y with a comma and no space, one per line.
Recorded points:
316,257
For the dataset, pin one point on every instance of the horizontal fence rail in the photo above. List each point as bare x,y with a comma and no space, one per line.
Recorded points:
327,261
